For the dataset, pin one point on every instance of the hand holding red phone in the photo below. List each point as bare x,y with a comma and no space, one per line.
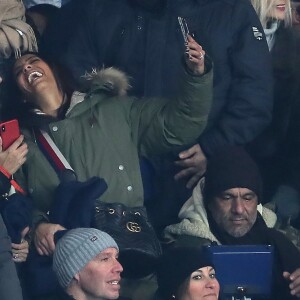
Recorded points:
14,156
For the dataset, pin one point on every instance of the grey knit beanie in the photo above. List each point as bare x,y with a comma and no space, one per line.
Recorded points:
75,249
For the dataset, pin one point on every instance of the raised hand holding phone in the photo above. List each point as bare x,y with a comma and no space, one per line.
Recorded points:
194,58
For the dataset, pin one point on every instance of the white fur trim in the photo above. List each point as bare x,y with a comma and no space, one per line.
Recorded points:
111,79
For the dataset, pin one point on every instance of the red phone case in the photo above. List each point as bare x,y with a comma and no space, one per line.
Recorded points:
9,132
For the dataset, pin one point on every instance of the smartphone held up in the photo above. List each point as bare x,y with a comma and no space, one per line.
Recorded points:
184,29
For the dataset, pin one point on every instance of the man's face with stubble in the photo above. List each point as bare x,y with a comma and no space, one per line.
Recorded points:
235,210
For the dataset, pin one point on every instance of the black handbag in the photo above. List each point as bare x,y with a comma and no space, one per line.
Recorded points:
134,234
129,226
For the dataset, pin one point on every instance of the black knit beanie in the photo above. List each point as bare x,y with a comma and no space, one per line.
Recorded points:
176,265
228,168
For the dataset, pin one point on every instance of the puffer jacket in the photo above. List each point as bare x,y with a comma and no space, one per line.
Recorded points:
104,134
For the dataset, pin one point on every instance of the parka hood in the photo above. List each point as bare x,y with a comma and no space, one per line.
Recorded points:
112,80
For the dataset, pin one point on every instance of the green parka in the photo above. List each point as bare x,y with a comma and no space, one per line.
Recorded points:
105,134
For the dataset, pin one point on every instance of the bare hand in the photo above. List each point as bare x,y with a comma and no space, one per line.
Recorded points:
194,57
14,156
44,238
20,251
193,161
295,282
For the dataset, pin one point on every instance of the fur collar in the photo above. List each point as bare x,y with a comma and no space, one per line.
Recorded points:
112,80
194,217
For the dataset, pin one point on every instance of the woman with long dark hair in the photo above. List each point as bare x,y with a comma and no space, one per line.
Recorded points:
102,133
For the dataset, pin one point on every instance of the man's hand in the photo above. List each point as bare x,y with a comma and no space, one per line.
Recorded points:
194,57
44,238
295,282
193,161
14,156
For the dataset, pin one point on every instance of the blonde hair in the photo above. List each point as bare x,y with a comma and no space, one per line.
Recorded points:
263,9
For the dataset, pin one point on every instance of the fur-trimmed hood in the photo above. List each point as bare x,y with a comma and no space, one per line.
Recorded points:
194,220
112,80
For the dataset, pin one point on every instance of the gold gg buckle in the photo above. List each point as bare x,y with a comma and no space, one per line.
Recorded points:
133,227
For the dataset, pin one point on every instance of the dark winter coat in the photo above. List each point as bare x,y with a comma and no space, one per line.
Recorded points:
9,283
277,148
148,46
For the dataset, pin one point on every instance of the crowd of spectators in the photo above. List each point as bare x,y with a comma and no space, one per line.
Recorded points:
189,108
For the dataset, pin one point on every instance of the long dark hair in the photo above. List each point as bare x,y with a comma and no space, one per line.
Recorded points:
16,108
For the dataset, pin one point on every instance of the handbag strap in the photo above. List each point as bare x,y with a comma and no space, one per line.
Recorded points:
14,184
53,154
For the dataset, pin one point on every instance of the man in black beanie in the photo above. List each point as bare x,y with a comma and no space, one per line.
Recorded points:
225,209
233,188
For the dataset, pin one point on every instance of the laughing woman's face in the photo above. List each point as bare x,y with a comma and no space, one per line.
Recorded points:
33,76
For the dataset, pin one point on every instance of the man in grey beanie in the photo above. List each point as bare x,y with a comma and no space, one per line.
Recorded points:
86,264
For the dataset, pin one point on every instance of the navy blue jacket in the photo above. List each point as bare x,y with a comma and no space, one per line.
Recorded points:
9,282
277,148
148,46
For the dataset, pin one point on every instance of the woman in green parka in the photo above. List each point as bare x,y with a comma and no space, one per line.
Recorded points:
104,132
